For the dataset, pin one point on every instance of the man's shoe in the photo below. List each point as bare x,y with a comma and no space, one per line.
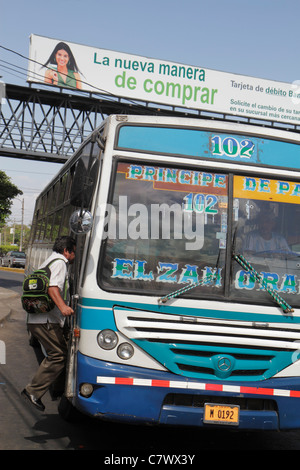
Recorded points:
34,401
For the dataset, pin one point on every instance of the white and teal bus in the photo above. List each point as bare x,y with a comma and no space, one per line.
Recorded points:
186,285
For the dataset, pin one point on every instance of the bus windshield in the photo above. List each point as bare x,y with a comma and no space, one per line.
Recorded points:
267,233
166,227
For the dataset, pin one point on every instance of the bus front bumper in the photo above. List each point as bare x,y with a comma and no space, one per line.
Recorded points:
137,395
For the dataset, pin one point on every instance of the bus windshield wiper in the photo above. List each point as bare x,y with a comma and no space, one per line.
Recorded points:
278,299
206,280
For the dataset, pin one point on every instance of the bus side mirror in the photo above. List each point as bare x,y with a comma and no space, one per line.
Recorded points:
81,222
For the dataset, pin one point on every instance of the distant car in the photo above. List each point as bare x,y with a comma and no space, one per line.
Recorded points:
14,259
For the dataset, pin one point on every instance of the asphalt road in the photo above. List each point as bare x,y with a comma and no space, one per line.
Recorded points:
24,428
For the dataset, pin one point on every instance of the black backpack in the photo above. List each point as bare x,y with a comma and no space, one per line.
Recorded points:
35,298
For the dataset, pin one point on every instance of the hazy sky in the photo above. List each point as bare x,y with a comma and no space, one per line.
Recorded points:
258,38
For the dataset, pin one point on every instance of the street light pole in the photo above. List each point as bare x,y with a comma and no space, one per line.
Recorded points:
22,223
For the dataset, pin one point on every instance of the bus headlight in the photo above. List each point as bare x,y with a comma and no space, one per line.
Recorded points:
107,339
125,351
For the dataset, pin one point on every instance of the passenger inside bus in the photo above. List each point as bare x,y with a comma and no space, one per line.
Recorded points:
265,239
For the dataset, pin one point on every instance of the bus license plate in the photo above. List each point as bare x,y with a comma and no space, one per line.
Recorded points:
221,414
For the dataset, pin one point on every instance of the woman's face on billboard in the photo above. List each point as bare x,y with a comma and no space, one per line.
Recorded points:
62,58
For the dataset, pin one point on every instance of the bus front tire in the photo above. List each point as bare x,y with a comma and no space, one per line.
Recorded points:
67,411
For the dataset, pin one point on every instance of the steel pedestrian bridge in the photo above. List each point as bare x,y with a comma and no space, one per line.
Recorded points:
50,124
47,125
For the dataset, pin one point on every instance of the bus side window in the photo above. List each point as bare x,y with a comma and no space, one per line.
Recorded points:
85,177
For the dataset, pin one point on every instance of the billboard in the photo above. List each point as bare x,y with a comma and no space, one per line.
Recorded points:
70,65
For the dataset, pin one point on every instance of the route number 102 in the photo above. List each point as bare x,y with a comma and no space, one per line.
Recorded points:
232,147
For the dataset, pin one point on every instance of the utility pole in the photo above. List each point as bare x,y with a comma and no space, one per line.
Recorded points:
22,225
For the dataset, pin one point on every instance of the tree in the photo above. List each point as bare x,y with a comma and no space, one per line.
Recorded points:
8,192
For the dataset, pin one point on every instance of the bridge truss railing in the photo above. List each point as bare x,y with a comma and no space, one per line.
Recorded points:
49,125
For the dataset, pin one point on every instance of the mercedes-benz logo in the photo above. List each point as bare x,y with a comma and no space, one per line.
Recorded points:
224,364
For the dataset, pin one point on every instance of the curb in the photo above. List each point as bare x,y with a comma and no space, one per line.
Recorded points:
5,296
14,270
